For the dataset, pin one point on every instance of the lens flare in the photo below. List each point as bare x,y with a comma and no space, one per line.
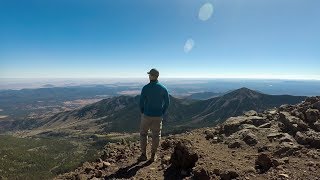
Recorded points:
205,12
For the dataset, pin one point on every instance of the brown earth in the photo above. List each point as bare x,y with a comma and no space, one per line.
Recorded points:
281,143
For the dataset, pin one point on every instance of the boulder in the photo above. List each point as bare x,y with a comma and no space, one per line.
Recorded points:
263,162
284,107
313,139
316,105
308,138
316,125
251,113
264,148
257,120
301,138
275,136
210,134
183,156
248,126
287,138
250,139
234,144
312,115
281,137
233,124
286,149
291,124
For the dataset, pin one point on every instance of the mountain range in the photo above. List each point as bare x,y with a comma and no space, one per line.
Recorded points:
121,113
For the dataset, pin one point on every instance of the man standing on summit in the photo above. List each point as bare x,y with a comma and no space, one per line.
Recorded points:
154,102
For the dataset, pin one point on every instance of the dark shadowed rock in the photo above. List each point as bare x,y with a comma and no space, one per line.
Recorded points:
98,173
309,138
234,144
183,156
200,173
166,144
312,115
316,105
263,162
291,124
286,107
317,125
313,139
210,134
229,174
257,120
250,139
301,138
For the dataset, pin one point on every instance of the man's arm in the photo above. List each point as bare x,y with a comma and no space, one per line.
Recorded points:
142,99
166,102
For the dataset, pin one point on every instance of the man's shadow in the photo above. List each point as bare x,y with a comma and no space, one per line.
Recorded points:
129,171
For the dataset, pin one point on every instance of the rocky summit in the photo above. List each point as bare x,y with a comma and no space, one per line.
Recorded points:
281,143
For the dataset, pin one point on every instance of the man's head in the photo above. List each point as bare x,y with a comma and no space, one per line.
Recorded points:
153,74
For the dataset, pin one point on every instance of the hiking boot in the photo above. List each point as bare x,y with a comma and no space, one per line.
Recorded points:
153,158
142,157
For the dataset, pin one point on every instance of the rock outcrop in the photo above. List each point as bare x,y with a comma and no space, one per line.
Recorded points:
281,143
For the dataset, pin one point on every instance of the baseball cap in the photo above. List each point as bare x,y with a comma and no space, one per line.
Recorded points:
154,72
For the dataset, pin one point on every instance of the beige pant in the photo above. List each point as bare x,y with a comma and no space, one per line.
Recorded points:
155,125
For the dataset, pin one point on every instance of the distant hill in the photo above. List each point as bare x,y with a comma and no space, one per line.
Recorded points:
121,113
203,95
48,86
218,109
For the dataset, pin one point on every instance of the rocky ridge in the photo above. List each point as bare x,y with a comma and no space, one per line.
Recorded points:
282,143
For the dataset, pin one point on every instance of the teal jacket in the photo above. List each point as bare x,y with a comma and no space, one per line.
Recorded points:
154,99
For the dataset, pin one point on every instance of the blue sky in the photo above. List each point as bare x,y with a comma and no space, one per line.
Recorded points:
124,38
